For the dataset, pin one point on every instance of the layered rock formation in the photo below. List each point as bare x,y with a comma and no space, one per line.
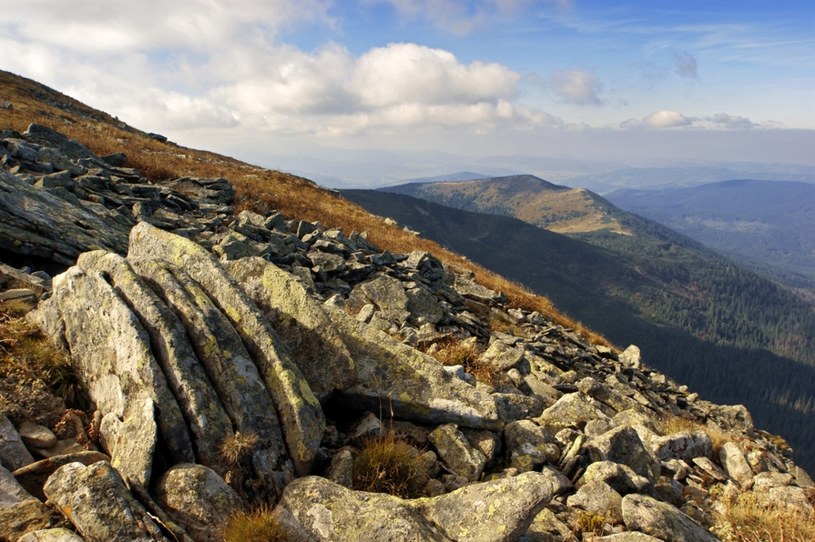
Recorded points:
233,359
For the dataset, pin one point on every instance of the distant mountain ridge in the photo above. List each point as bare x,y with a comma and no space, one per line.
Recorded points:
769,224
550,206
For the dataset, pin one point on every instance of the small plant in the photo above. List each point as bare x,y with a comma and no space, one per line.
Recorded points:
237,447
26,354
388,464
468,355
589,523
258,525
754,517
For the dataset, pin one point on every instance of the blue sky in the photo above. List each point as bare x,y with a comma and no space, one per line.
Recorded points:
282,81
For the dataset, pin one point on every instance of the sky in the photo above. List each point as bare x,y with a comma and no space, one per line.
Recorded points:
327,87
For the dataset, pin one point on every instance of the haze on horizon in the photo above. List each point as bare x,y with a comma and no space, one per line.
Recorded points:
349,91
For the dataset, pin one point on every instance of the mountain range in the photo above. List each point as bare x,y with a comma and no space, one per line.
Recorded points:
767,225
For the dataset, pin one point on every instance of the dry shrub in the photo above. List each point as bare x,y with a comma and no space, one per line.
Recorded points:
670,425
754,517
388,464
589,523
235,448
467,354
258,525
26,354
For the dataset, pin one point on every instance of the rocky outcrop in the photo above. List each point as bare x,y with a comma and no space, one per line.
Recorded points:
225,355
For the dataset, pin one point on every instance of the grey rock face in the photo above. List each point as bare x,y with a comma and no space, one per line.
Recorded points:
456,452
529,446
686,445
19,511
659,519
198,499
623,445
13,453
299,409
733,461
306,330
600,499
315,509
95,500
50,535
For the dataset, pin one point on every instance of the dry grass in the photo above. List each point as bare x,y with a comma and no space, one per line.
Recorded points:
588,524
754,517
235,448
467,354
388,464
258,189
259,525
670,425
26,354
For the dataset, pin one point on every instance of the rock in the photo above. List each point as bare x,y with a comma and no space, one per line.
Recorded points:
424,307
600,499
631,357
685,445
620,477
456,452
502,355
132,443
623,445
19,511
203,411
386,293
795,498
95,500
36,223
410,384
428,266
764,481
546,527
51,535
299,409
112,355
734,463
198,499
32,477
315,509
306,330
341,470
215,191
48,137
571,410
13,453
629,536
37,435
234,246
239,385
529,446
659,519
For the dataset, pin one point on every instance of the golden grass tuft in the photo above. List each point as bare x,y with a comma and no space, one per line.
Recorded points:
388,464
754,517
468,354
670,425
589,523
235,448
27,354
258,525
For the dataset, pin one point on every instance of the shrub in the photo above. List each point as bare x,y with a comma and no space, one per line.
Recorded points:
468,355
388,464
259,525
754,517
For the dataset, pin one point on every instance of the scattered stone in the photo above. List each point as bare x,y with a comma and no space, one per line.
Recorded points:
51,535
19,511
623,445
456,452
33,477
662,520
13,453
734,463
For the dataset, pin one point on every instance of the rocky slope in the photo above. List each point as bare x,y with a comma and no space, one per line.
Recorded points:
237,359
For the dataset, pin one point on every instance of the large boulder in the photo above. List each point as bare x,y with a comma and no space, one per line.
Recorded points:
623,445
207,420
111,355
456,452
299,409
734,463
95,500
19,511
313,508
662,520
197,499
306,330
35,222
410,384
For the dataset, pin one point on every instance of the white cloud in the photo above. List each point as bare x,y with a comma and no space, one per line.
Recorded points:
725,120
458,16
659,120
578,87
